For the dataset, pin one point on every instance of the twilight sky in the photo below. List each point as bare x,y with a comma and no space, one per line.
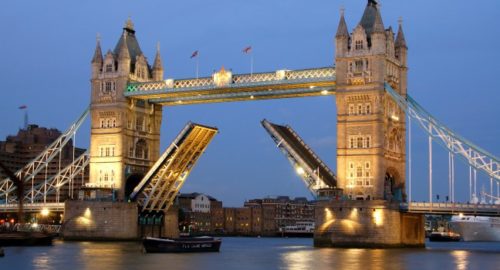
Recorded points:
453,59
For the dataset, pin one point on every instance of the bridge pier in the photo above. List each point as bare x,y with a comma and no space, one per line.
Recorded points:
100,220
367,224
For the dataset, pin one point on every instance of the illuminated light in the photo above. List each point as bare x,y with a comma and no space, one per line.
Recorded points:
179,101
45,212
324,92
251,97
395,117
12,220
461,215
281,74
300,170
34,225
269,89
87,213
169,83
223,77
354,213
378,218
312,87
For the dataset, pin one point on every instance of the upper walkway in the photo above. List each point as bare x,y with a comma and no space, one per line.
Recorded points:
223,86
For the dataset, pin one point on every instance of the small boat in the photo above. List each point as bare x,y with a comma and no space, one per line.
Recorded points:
444,237
300,229
176,245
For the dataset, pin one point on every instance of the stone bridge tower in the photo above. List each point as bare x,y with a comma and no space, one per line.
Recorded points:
125,133
371,129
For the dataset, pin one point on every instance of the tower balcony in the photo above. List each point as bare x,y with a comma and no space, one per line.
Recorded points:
359,78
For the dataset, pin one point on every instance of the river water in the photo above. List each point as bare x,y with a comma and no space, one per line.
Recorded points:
253,253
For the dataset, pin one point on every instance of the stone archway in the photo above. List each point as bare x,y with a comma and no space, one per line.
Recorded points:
132,181
393,187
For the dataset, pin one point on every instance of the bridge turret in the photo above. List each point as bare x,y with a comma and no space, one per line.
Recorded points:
371,129
124,56
401,49
342,37
157,65
125,135
97,59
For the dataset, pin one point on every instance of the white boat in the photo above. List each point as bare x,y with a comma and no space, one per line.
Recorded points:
301,228
476,228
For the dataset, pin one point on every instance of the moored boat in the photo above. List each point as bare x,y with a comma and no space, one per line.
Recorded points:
25,239
444,237
176,245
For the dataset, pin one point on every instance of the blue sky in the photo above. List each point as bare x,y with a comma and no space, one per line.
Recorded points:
453,59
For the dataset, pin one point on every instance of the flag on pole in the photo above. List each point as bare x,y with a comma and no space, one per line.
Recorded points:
194,54
247,50
22,107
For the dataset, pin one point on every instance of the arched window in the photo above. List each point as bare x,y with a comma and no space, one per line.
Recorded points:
368,109
105,177
367,142
141,149
360,109
351,143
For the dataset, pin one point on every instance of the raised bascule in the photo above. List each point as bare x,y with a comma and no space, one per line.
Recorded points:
364,204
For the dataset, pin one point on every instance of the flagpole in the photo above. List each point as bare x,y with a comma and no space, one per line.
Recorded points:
197,67
251,64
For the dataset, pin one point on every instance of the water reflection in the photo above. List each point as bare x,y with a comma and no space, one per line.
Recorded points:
461,259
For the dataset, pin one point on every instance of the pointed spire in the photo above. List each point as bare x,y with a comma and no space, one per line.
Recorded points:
342,28
98,52
123,51
378,26
129,25
372,20
400,38
157,63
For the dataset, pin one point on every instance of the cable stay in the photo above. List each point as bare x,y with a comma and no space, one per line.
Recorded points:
312,170
161,184
456,144
43,159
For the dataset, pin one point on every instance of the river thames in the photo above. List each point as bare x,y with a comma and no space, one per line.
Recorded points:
253,253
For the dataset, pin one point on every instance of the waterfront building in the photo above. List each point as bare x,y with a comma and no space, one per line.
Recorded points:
271,214
201,213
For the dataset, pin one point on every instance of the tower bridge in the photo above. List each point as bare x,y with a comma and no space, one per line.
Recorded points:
374,110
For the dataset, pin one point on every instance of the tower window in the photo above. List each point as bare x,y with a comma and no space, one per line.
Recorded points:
108,86
351,109
109,68
360,142
368,109
359,45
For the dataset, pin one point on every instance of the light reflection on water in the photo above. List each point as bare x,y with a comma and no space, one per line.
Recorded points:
252,253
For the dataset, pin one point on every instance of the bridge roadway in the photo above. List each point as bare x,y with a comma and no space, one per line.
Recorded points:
451,208
223,86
